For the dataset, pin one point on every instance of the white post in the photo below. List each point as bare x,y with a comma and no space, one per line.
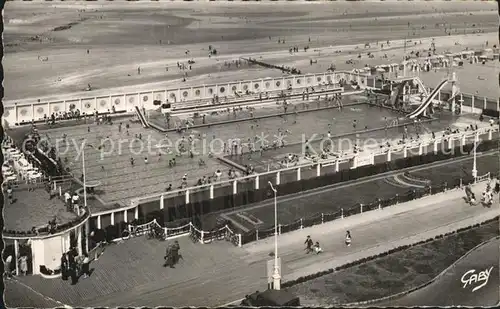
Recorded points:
87,227
162,202
211,192
187,196
202,236
318,169
472,105
16,256
257,182
84,179
405,152
99,222
498,104
337,166
278,178
463,140
235,187
361,206
420,149
112,218
484,103
298,174
355,161
276,275
342,213
136,212
389,154
474,163
435,146
125,215
490,134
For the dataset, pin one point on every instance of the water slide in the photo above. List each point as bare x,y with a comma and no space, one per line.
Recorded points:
141,117
422,86
428,101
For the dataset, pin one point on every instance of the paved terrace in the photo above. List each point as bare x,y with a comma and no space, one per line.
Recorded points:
130,273
34,209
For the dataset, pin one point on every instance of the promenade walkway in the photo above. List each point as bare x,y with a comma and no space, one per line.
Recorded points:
130,274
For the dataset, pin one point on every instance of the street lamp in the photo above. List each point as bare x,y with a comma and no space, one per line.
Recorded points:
84,174
276,274
474,163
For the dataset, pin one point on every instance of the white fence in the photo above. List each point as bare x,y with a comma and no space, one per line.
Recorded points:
297,170
225,233
17,112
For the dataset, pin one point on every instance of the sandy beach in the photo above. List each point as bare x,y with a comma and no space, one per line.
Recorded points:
46,46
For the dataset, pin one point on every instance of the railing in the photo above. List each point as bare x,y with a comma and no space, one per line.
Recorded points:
44,232
357,209
225,233
319,163
197,235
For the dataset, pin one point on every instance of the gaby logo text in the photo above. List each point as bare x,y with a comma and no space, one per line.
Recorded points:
473,278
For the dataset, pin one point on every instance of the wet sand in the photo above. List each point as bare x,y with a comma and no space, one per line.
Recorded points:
124,36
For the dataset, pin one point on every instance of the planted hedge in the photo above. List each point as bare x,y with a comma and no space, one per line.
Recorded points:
364,260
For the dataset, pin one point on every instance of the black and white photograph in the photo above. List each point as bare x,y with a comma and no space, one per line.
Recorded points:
250,153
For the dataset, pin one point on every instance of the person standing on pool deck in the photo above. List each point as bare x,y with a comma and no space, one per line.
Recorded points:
348,238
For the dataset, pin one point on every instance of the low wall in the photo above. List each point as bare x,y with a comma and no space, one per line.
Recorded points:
16,113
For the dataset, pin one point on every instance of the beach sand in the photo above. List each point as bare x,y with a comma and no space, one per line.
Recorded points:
121,37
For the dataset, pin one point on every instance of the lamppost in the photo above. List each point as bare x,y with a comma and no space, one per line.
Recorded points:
474,164
276,274
84,174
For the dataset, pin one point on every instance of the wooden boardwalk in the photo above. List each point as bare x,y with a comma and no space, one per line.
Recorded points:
130,273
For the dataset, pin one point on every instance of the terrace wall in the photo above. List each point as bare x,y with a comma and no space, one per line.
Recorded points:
16,113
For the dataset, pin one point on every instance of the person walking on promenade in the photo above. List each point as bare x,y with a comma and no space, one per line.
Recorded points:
175,252
309,244
7,267
23,265
86,266
348,238
168,257
64,267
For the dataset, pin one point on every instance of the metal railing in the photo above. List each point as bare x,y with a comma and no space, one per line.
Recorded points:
358,209
395,148
238,239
